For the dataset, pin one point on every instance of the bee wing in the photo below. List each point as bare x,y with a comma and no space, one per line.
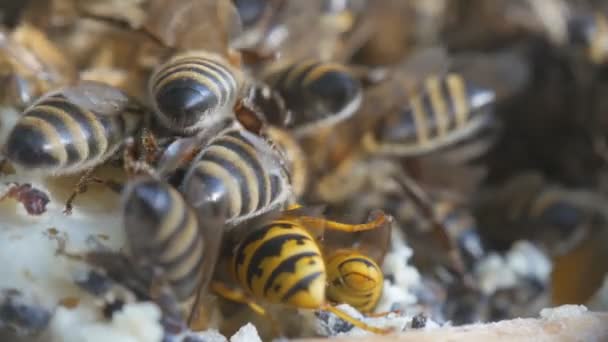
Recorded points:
194,24
211,214
97,97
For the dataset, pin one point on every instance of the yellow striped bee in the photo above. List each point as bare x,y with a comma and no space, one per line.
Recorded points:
243,169
72,129
193,91
319,93
163,233
447,109
171,250
282,262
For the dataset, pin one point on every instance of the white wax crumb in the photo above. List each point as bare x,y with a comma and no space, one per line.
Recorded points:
210,335
405,277
137,322
564,311
493,274
392,294
247,333
334,326
526,260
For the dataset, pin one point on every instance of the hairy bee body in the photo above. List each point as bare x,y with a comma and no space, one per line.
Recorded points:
318,93
447,110
354,278
72,129
243,169
282,263
193,91
163,233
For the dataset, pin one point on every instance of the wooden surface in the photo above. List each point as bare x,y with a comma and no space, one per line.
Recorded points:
589,326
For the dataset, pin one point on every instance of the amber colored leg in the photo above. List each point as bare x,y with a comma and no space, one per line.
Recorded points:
239,296
320,223
382,314
82,186
354,321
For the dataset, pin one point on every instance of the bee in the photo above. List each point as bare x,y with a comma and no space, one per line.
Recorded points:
72,129
282,262
447,109
171,248
163,232
244,169
193,91
318,93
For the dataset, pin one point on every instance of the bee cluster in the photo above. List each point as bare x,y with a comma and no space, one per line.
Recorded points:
281,155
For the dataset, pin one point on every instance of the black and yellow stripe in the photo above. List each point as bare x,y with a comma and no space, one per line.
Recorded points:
354,279
282,263
192,90
57,136
243,168
445,110
317,92
163,230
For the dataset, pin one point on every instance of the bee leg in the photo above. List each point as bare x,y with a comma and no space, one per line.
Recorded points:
150,146
238,296
83,185
249,116
380,220
382,314
423,203
354,321
132,164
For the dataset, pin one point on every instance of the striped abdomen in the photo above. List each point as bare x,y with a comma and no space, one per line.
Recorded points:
354,279
56,136
445,111
282,263
193,91
318,93
243,168
162,230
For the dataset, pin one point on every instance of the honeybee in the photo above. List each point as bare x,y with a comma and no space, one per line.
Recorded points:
244,169
175,245
446,110
317,93
171,251
72,129
193,91
282,262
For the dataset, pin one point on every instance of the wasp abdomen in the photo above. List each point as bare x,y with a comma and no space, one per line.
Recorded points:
355,279
282,263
